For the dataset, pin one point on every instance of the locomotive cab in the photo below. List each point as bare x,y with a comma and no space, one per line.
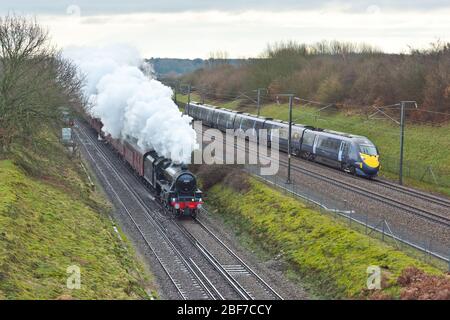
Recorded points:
368,159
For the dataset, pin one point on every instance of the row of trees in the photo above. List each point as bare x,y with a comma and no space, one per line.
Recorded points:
340,73
35,81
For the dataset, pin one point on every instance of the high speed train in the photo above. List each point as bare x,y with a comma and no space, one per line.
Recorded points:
351,153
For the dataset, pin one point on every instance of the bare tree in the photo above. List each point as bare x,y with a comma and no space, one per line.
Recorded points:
217,58
34,81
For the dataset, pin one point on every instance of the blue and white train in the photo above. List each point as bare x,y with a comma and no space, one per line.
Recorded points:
347,152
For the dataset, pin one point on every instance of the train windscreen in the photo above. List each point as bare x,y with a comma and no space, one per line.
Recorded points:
369,150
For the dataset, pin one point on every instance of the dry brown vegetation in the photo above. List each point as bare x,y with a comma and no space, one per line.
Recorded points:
230,175
340,73
417,285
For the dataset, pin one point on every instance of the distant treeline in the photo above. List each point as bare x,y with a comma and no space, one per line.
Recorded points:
167,67
341,73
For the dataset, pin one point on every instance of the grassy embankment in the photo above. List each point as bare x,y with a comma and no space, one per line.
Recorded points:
50,219
324,253
424,145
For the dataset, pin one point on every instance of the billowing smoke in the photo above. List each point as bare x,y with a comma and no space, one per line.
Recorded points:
131,104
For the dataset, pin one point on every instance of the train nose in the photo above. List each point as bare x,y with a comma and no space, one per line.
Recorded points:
370,164
371,161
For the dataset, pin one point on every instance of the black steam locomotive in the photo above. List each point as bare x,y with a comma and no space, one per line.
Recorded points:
175,185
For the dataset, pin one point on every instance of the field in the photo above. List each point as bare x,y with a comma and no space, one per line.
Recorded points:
427,148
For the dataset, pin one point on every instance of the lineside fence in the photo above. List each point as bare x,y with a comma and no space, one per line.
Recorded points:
394,231
418,171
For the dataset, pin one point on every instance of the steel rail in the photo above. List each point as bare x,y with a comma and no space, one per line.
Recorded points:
415,193
158,227
180,292
425,214
210,257
234,255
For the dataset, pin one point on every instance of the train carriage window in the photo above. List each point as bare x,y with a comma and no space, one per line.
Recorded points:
259,124
222,119
247,123
200,113
237,122
268,126
277,129
330,144
209,119
284,133
275,126
209,115
230,121
243,124
308,138
205,114
214,117
219,118
195,112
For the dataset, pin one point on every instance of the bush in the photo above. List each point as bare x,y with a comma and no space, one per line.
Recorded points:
417,285
231,175
340,73
331,89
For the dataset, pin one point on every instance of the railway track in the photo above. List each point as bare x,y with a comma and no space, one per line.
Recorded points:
431,198
199,279
425,214
187,278
228,262
415,193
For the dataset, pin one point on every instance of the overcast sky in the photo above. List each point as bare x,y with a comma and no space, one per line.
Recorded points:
189,29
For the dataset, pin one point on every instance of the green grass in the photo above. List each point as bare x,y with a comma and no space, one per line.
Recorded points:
424,145
50,220
331,258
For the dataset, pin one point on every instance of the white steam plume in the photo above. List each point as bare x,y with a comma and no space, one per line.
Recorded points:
129,103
